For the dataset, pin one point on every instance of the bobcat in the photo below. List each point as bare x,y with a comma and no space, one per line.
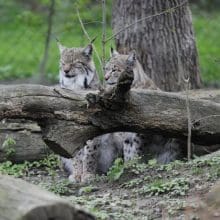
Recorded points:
77,69
77,72
163,149
117,64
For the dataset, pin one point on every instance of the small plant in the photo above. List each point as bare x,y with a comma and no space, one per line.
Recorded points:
133,183
17,170
61,187
202,162
9,147
116,170
177,186
50,163
135,166
170,166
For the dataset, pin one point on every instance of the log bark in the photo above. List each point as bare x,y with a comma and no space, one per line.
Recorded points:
20,200
165,44
69,118
28,143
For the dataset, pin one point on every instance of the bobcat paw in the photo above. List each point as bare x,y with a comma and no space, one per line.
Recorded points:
88,177
74,179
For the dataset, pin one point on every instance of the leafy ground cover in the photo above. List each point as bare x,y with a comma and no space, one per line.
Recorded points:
129,191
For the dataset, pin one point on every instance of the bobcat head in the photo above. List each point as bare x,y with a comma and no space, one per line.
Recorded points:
77,70
132,145
119,63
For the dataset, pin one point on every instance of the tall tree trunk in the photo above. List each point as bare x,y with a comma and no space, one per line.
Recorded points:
165,44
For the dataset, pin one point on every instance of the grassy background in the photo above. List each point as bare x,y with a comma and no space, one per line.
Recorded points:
23,33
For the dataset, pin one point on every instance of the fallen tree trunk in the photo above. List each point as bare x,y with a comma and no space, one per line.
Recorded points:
20,200
69,118
21,140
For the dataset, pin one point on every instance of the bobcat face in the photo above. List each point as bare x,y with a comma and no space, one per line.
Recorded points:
132,145
76,67
116,65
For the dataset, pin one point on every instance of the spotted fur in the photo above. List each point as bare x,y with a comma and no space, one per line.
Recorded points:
163,149
117,64
77,70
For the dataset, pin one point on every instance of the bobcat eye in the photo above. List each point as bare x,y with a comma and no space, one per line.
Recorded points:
114,69
137,141
126,141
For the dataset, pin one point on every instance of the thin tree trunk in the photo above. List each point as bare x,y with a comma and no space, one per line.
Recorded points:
165,44
42,69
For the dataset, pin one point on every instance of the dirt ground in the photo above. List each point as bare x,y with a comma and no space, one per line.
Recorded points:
139,191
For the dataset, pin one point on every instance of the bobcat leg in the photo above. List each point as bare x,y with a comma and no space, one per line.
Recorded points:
89,161
76,174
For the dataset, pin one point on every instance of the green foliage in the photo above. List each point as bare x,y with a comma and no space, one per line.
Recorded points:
24,31
133,183
135,166
213,163
49,164
206,4
17,170
203,161
116,170
207,29
177,186
61,187
9,147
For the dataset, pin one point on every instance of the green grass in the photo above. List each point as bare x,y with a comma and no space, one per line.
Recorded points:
207,30
23,36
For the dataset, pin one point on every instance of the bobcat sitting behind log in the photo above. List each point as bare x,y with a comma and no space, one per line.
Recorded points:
77,72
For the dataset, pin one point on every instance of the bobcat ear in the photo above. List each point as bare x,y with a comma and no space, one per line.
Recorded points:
131,58
88,50
113,52
60,46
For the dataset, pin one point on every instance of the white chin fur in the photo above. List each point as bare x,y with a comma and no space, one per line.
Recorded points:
76,82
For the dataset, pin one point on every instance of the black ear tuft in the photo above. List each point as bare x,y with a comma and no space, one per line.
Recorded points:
88,50
113,52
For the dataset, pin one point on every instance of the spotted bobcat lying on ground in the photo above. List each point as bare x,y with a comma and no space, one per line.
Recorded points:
77,71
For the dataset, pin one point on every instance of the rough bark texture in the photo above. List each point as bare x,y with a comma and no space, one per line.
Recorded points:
20,200
68,119
164,44
28,144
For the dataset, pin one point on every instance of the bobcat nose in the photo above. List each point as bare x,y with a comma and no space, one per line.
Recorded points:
107,76
66,71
